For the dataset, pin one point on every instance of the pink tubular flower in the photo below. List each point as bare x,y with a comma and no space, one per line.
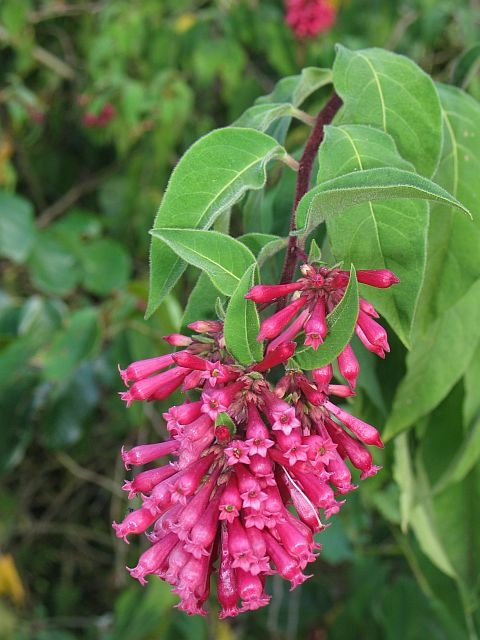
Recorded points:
272,326
156,387
143,368
381,278
261,293
242,452
148,452
308,18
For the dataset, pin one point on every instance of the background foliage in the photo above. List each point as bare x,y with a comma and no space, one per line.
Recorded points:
97,103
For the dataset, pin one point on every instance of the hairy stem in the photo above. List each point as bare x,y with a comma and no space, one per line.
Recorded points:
303,181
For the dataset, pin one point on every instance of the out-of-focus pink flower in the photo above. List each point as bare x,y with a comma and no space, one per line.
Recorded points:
308,18
101,119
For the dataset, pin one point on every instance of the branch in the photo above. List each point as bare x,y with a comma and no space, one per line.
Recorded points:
325,116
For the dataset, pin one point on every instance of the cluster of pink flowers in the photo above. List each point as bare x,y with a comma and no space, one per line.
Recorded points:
257,467
308,18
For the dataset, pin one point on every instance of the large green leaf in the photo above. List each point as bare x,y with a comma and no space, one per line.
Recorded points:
383,183
437,361
341,324
392,93
212,175
222,257
377,235
242,323
453,241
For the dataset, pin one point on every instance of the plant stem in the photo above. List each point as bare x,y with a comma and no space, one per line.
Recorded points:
303,180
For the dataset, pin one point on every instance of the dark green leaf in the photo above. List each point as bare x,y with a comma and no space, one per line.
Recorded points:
17,425
201,301
471,402
436,362
466,67
105,264
223,258
53,268
263,245
242,323
64,421
72,345
212,175
17,229
341,324
453,240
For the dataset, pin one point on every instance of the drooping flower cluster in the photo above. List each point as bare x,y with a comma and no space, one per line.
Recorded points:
308,18
257,468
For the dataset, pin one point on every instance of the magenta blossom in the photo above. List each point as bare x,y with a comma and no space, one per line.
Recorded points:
308,18
215,495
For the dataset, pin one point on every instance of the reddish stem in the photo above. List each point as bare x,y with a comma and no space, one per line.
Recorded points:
303,181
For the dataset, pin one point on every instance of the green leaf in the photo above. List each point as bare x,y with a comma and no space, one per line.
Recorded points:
341,324
53,268
466,67
261,116
453,241
17,229
222,257
464,460
426,526
405,479
105,264
263,245
436,362
212,175
314,253
372,235
471,402
64,421
370,185
242,323
72,345
392,93
201,302
17,424
296,89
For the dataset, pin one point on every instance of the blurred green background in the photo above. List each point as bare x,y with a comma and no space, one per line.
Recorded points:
98,100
